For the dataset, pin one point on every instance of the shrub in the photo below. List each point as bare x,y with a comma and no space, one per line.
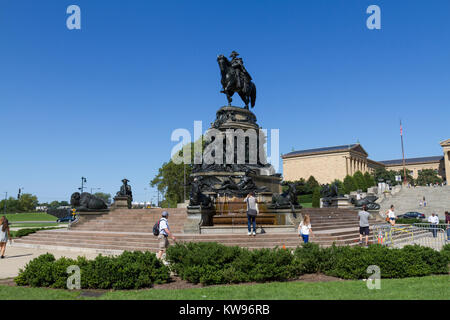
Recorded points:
445,251
316,198
130,270
359,180
27,231
213,263
349,184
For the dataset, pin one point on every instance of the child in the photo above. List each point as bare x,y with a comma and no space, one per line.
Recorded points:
304,229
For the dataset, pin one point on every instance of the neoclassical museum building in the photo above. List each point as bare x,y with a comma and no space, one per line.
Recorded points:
330,163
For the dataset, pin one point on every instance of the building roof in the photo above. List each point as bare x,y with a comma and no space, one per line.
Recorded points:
345,147
445,143
412,160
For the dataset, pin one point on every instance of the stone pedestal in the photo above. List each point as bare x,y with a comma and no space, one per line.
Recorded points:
198,216
122,202
341,202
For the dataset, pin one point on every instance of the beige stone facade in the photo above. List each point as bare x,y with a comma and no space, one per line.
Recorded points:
328,164
446,165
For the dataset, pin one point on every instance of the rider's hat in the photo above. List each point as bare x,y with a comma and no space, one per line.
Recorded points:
234,54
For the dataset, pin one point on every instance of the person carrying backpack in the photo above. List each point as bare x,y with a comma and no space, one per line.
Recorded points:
252,211
164,234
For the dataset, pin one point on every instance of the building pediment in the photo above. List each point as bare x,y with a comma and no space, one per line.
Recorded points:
445,143
358,148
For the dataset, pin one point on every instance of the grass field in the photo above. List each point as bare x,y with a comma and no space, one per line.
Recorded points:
32,216
306,205
425,288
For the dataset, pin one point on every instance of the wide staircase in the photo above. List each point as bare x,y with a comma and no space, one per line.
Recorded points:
132,230
408,199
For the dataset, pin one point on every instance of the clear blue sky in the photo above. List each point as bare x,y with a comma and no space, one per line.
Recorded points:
102,102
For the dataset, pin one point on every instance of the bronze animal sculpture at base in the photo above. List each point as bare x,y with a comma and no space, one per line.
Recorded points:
87,202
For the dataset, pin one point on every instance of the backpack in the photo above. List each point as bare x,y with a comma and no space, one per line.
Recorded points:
156,228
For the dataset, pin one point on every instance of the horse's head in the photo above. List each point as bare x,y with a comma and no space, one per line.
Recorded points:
223,62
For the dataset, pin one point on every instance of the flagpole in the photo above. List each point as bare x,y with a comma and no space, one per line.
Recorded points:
403,154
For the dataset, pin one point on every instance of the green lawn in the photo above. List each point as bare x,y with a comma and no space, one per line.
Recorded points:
32,216
306,205
37,225
425,288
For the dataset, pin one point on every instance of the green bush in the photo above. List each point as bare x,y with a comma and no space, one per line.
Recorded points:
316,198
305,198
213,263
409,220
445,251
27,231
130,270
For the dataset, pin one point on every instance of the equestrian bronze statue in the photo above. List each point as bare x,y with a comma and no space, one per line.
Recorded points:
235,78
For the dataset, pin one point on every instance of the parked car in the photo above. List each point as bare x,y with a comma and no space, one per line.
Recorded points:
66,219
412,215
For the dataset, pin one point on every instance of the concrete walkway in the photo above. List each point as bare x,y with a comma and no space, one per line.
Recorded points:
17,257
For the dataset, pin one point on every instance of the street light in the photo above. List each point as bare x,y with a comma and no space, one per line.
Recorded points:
83,180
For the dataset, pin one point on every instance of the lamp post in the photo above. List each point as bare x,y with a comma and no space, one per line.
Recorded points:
83,180
20,193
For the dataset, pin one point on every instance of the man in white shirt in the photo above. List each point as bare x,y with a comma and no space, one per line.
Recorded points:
164,233
434,221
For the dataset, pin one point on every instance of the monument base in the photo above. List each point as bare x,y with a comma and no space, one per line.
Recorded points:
341,203
121,202
198,216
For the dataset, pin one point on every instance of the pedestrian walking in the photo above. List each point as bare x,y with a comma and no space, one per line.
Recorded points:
434,221
252,211
424,202
164,234
304,229
364,225
4,235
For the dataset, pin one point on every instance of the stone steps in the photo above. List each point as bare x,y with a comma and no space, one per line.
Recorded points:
124,229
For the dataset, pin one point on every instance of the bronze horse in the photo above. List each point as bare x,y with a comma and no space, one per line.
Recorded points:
229,80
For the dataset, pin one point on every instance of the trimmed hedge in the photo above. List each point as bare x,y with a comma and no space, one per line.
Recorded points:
26,231
130,270
213,263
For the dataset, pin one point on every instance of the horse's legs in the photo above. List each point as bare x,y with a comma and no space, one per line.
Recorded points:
244,98
228,97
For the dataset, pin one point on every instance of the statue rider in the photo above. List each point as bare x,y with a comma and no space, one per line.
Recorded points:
243,78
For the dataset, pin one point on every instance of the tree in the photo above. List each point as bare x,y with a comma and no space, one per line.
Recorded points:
311,184
385,175
409,177
54,204
105,196
359,180
316,198
369,179
427,176
349,184
340,184
26,203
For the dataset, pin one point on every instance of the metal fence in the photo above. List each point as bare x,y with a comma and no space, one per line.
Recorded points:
425,234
